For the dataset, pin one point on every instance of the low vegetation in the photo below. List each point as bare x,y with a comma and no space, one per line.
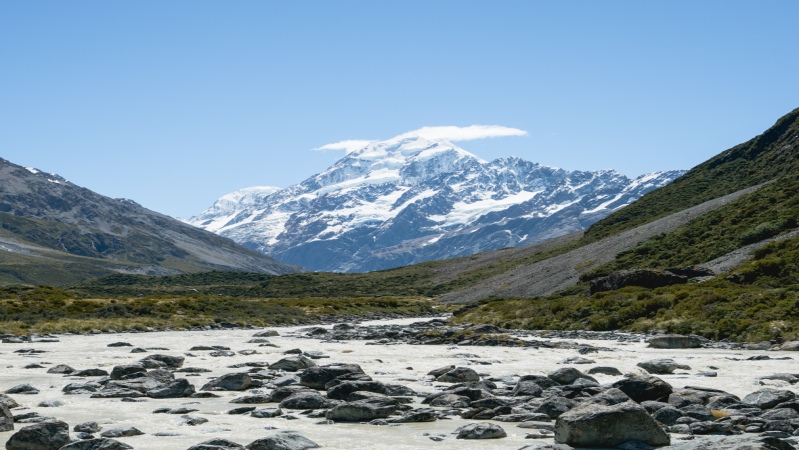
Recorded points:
44,309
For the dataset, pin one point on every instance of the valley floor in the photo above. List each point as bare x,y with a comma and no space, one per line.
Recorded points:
397,364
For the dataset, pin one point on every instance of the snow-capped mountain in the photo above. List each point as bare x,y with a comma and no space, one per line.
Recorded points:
410,199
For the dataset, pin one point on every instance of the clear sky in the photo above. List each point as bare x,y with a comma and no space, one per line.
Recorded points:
175,103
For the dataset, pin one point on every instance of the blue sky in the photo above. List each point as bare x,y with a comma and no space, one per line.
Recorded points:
173,104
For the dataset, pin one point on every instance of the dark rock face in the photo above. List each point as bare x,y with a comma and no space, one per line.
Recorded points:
597,425
648,278
47,435
284,440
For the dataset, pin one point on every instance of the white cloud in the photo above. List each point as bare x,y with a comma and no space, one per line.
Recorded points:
453,133
348,146
450,133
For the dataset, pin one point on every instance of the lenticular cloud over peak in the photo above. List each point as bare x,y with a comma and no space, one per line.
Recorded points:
450,133
470,133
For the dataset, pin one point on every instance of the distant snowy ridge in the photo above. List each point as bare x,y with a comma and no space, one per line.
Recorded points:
411,199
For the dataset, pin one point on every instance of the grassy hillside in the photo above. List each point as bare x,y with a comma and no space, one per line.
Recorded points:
766,157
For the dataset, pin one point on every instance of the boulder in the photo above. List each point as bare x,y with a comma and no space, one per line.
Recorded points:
459,375
790,346
284,440
527,389
362,410
8,402
121,432
61,368
120,371
97,444
642,389
318,377
648,278
158,361
22,389
483,430
769,398
675,341
47,435
6,419
441,370
592,424
305,400
293,363
284,392
266,413
217,444
343,390
87,427
661,366
568,375
175,389
90,373
228,382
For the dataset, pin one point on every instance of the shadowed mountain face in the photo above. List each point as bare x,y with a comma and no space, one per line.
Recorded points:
409,199
56,232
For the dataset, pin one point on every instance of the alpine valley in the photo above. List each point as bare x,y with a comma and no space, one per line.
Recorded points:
411,199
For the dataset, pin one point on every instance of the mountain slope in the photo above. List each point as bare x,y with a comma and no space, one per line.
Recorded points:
410,199
762,158
49,225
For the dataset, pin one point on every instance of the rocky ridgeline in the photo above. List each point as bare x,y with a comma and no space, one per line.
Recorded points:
567,405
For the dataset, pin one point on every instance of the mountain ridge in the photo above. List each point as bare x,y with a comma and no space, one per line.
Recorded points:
409,199
45,217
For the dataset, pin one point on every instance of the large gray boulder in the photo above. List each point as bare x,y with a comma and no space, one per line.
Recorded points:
769,398
6,419
176,389
305,400
47,435
162,362
293,363
642,389
662,366
284,440
592,424
318,377
118,372
675,341
97,444
483,430
459,375
228,382
343,390
648,278
363,410
217,444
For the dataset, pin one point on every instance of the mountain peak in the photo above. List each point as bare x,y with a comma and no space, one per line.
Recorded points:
413,198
